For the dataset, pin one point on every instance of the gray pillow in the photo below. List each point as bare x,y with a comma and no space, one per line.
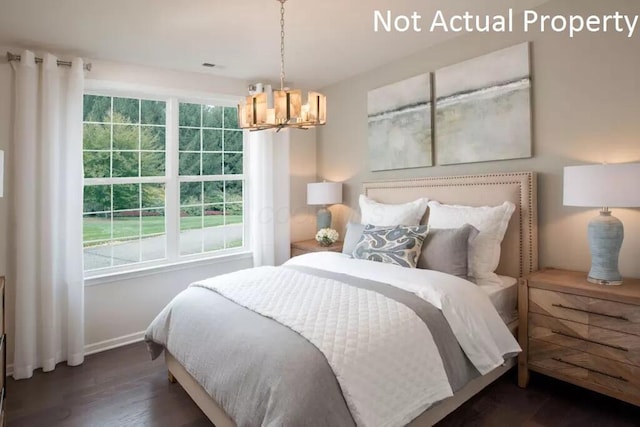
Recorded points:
398,245
446,250
352,237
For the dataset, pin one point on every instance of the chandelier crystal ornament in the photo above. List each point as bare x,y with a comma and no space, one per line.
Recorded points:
282,108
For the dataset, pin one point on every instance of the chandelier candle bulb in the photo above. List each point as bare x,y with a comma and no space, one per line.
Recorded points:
305,113
271,115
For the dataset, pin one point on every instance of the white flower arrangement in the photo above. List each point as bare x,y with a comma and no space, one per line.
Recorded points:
327,236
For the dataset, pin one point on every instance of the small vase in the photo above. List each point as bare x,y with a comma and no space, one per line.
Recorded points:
325,243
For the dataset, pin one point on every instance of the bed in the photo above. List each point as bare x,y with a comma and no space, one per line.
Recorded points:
518,257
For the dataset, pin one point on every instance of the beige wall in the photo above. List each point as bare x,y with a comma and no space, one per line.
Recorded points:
586,108
302,171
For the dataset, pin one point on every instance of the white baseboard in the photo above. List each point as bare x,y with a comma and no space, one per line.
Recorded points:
102,346
113,343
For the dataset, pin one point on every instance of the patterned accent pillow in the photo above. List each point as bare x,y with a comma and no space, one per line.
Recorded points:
400,245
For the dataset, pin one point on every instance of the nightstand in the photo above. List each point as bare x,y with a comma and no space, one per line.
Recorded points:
307,246
582,333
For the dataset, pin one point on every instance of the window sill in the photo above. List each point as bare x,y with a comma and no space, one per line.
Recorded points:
155,270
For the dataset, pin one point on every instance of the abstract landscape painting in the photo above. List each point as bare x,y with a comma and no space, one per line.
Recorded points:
483,108
400,125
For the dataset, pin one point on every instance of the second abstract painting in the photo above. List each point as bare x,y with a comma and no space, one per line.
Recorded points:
483,108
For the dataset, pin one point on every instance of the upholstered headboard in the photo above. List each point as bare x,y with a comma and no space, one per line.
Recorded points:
519,255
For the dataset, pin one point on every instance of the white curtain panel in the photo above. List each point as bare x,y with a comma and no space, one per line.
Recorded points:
268,153
47,214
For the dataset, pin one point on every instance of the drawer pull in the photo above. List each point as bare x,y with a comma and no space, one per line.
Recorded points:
591,341
591,312
575,365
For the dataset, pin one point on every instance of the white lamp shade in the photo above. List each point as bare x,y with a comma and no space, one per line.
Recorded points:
324,193
1,173
611,186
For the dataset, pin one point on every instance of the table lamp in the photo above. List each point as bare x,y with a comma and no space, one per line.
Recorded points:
604,186
324,193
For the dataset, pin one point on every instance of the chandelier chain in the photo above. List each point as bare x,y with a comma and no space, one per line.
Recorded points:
282,44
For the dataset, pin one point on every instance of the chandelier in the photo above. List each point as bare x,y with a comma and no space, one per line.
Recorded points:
282,108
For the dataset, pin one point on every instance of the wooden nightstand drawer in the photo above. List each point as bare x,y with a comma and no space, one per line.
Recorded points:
549,357
613,345
592,311
558,304
615,315
601,374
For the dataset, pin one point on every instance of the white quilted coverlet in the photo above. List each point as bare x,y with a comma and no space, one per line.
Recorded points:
382,354
476,324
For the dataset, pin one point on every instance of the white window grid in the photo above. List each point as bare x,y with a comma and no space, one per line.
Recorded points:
171,181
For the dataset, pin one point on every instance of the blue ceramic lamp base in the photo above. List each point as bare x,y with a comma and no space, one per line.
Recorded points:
605,240
323,219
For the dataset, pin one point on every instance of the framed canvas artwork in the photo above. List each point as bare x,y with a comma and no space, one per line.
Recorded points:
399,117
483,108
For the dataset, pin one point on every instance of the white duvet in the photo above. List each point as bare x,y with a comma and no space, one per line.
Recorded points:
482,334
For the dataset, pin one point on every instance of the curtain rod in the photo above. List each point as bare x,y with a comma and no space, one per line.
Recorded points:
14,57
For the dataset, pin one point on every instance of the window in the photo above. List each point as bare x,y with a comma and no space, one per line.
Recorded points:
211,188
160,187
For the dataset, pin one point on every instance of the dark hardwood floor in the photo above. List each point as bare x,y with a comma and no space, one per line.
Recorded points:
123,387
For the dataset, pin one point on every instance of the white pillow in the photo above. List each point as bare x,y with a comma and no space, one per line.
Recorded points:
491,222
383,215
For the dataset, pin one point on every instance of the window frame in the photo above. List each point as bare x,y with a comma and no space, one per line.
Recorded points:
172,180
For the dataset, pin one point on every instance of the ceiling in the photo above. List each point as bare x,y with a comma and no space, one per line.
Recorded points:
326,40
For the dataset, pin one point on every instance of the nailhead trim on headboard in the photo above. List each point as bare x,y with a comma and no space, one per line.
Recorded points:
528,212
